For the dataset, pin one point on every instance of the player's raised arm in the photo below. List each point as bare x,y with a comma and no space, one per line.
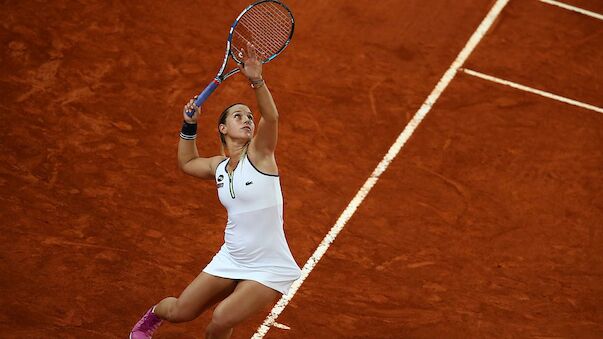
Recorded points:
189,160
264,142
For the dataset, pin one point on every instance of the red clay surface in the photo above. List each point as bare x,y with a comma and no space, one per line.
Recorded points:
488,224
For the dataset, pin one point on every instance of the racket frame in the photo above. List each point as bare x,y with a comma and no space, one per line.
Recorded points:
211,87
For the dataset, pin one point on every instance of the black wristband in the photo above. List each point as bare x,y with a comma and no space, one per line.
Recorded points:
188,131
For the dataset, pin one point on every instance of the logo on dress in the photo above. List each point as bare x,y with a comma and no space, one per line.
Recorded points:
220,185
248,183
220,178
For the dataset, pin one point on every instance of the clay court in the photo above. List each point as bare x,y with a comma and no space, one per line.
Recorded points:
488,223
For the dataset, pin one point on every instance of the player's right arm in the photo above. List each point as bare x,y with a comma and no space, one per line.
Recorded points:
192,164
189,160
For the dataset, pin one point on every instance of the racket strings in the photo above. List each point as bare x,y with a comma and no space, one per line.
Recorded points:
267,26
267,36
274,20
277,31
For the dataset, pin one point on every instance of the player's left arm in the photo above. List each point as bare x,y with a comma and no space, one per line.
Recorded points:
264,142
266,136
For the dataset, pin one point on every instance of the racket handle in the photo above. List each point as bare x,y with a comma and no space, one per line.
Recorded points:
204,95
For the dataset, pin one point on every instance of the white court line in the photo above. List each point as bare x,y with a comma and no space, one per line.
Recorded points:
382,166
573,8
532,90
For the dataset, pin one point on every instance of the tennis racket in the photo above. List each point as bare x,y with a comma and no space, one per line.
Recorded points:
267,25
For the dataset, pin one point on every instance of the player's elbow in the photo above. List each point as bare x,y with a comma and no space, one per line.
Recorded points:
186,168
182,164
271,117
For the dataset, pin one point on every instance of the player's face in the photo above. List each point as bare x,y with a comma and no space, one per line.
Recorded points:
239,124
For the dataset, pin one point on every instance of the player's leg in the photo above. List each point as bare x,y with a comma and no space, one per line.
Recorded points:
248,298
198,296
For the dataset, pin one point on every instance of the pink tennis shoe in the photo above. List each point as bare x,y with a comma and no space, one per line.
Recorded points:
146,326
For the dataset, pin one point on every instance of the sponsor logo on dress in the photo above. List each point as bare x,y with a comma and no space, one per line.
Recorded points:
220,184
220,178
248,183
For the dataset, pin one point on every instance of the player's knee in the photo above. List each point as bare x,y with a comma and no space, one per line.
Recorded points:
179,312
220,322
215,330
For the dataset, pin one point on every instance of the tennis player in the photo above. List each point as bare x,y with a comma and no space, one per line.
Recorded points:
255,265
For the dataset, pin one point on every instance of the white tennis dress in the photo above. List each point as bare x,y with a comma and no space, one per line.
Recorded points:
254,247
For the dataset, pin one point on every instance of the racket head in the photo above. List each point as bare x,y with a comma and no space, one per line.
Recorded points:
267,24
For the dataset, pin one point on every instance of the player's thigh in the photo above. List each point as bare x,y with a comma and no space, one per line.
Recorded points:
203,292
248,298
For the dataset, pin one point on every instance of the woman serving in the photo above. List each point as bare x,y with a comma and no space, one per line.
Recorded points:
254,264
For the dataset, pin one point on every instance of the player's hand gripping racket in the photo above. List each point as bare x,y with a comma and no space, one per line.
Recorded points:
267,25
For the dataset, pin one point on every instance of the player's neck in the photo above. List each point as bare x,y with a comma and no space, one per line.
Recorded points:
236,151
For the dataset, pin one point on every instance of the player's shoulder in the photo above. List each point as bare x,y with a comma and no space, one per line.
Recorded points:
216,161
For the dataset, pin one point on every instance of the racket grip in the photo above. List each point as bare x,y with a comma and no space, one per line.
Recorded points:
204,95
